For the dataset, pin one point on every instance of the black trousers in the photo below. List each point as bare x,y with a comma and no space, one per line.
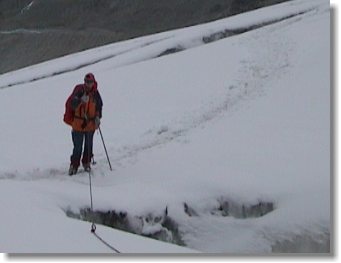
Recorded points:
78,138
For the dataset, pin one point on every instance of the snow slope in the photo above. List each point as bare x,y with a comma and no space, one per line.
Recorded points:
212,133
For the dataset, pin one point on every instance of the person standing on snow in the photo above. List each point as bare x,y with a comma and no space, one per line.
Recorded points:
86,106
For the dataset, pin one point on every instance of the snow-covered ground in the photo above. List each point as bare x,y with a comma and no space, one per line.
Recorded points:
231,137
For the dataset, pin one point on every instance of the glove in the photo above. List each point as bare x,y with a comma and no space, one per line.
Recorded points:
97,121
85,98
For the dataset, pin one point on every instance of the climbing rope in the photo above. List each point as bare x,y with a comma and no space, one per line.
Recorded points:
106,243
93,225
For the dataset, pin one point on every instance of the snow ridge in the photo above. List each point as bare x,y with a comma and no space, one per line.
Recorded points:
168,43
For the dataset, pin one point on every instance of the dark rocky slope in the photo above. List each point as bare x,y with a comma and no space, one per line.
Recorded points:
47,29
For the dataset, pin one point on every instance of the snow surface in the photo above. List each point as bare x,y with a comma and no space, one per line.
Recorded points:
245,119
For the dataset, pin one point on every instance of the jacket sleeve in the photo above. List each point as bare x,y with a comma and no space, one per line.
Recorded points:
99,104
76,99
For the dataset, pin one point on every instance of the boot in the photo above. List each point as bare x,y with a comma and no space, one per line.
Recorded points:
86,167
72,170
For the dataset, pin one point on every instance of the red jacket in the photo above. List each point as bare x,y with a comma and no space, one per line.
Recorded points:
84,114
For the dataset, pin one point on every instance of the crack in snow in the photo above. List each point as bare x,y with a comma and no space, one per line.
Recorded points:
165,227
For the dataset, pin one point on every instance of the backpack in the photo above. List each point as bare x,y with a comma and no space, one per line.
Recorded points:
69,112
